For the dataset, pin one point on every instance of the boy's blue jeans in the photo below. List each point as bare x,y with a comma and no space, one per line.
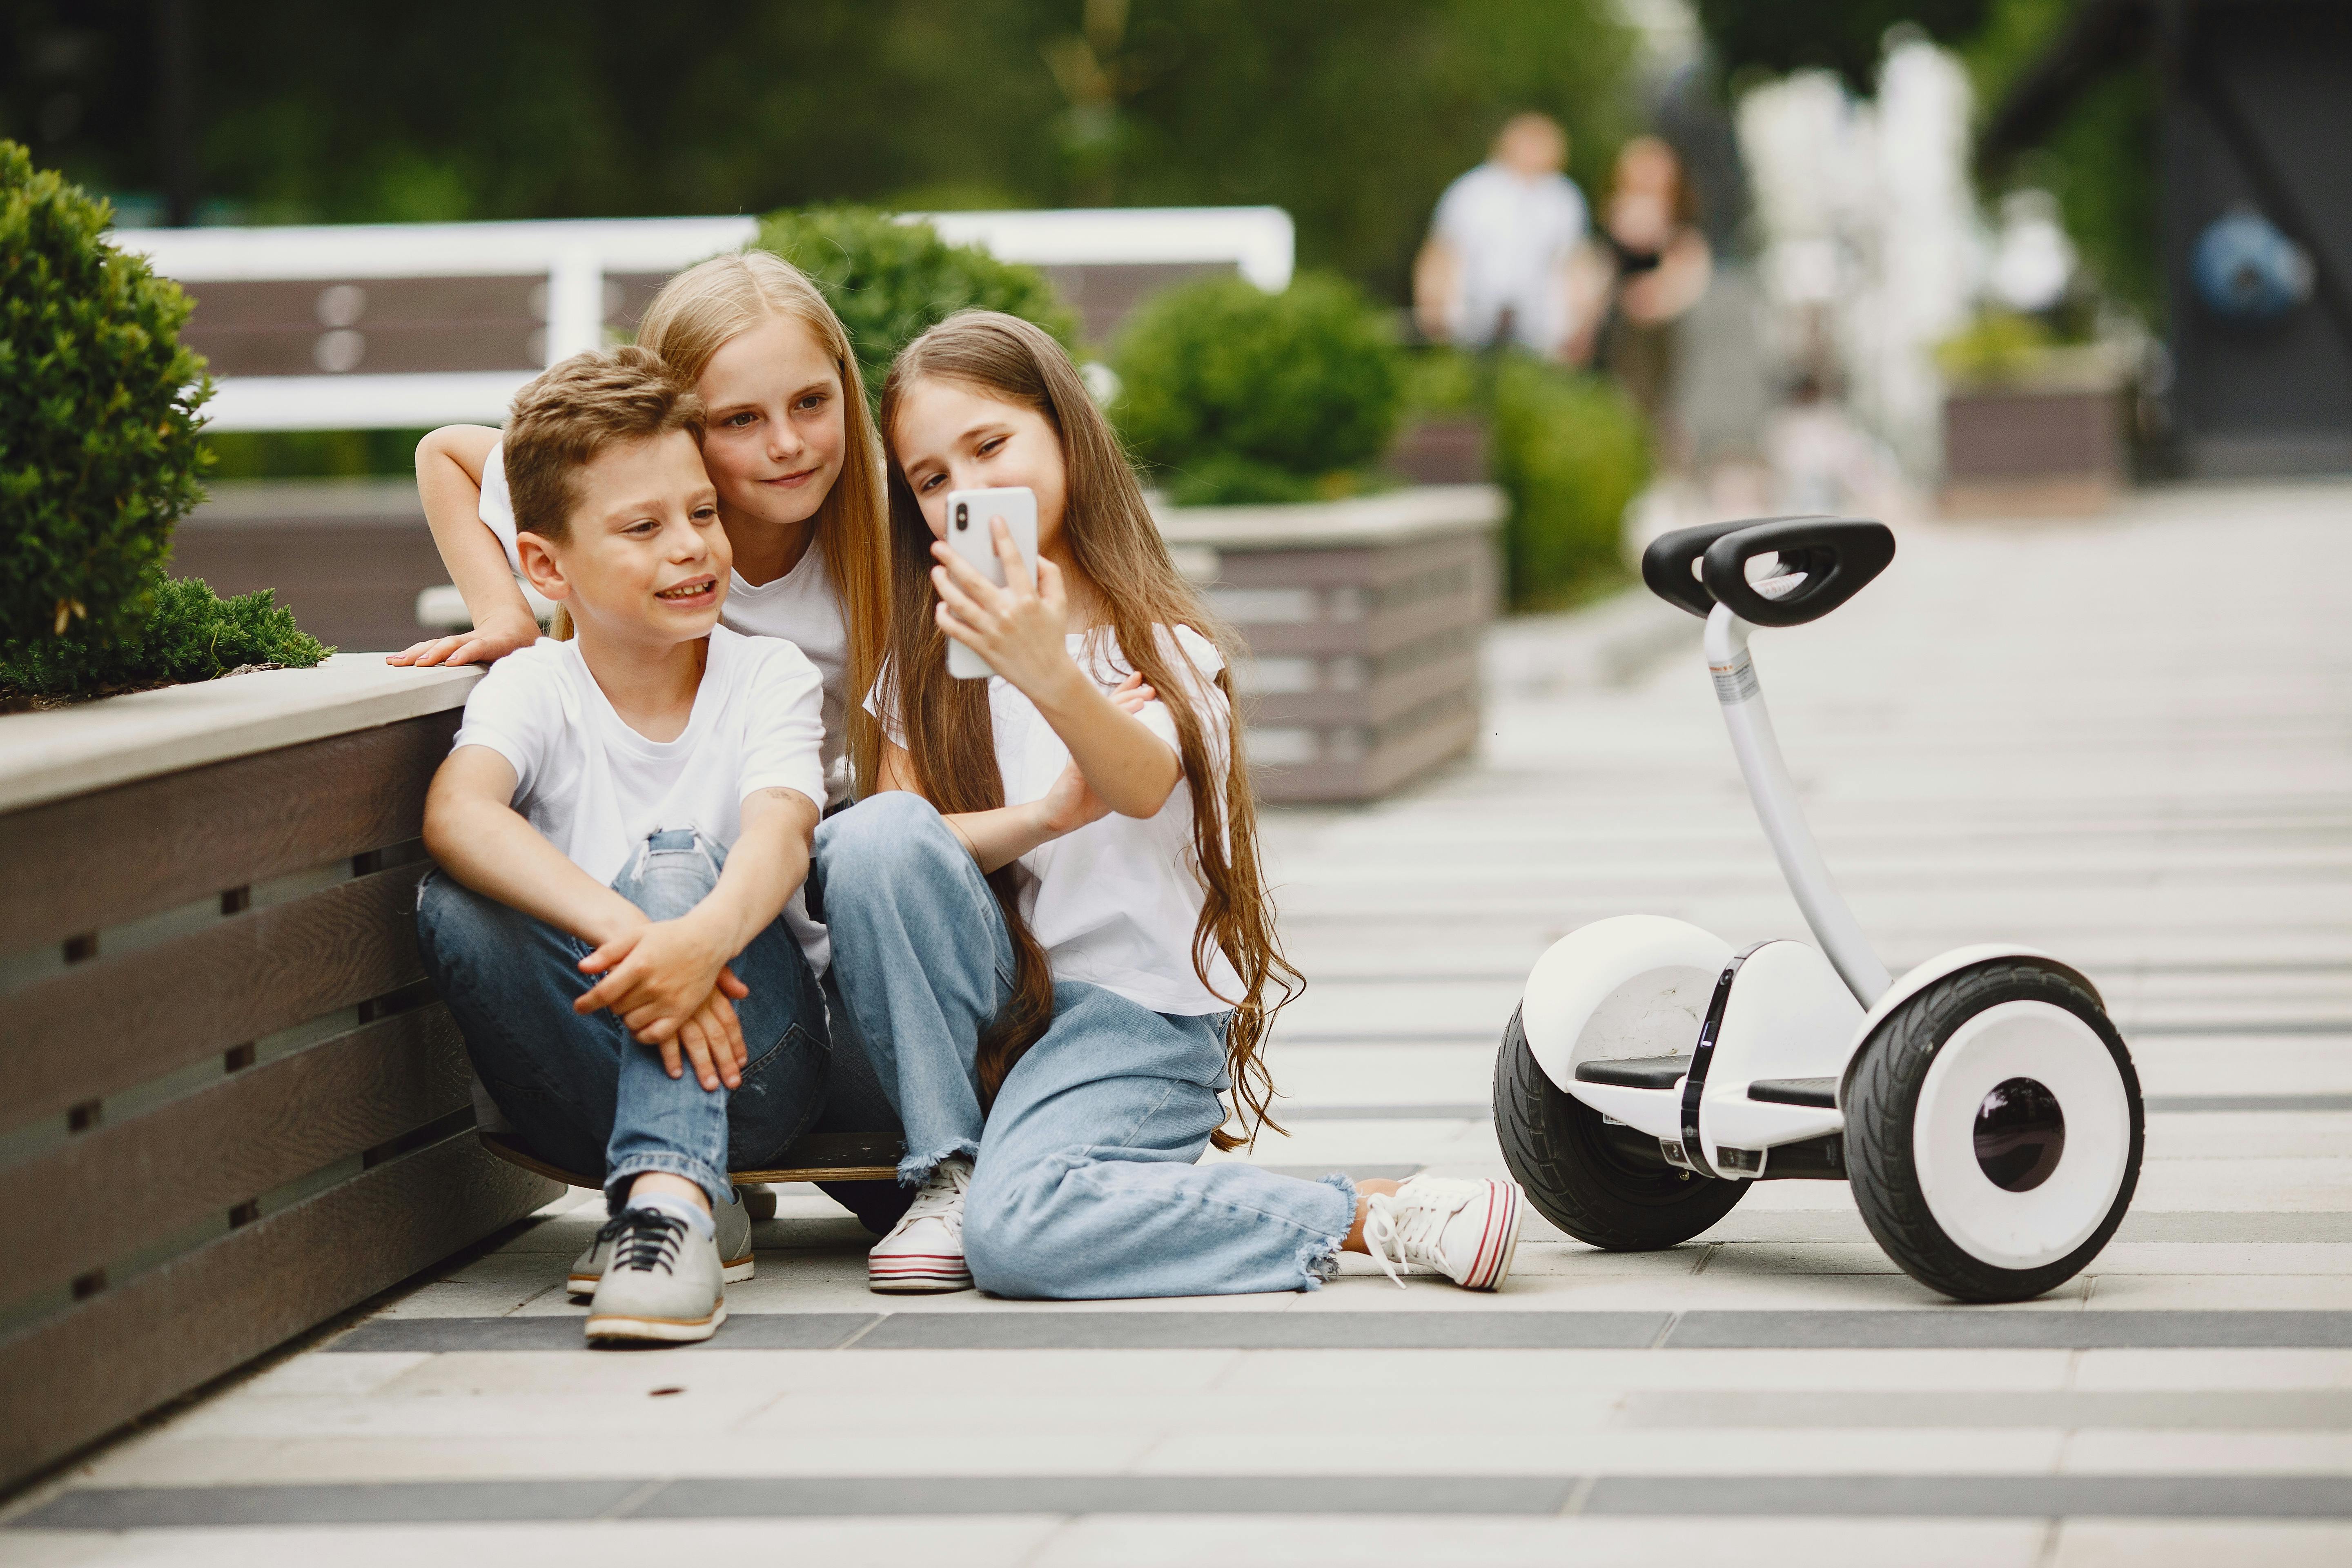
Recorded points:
1085,1183
581,1093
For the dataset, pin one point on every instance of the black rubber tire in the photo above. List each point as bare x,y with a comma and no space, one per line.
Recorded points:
1600,1191
1883,1097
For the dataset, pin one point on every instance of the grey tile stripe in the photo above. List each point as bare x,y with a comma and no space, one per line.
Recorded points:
412,1502
2066,1410
1481,1111
1046,1328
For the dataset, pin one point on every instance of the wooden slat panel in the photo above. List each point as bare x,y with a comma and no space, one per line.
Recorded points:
73,1378
99,859
120,1187
103,1026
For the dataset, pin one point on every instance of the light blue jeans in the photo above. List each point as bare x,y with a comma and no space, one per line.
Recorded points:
1084,1184
581,1093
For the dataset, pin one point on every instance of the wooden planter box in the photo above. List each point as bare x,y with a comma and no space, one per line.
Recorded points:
230,1107
1363,619
2047,449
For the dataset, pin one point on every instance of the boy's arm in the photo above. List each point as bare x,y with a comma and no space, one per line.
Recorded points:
449,482
475,833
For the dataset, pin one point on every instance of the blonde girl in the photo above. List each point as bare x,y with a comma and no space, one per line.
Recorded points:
1053,927
791,449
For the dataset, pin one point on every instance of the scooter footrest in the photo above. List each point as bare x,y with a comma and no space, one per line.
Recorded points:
1635,1072
1820,1091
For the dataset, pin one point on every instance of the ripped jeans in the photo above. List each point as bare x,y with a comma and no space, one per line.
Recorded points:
1084,1184
584,1095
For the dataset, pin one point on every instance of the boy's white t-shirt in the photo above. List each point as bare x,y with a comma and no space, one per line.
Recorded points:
1115,903
1512,233
801,607
595,788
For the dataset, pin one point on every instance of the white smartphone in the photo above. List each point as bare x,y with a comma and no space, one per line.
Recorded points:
968,535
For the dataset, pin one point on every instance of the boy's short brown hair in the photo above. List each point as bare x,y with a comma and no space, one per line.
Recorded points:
563,420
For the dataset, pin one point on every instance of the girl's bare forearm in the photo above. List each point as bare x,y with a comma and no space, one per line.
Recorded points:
999,838
1132,770
449,482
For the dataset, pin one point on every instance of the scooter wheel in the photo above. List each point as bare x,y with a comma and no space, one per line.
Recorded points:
1993,1131
1607,1186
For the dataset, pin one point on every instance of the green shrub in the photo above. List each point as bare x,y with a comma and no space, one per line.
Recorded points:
891,281
99,455
189,633
1572,452
1241,395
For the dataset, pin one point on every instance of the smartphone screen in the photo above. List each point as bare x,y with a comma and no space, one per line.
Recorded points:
969,536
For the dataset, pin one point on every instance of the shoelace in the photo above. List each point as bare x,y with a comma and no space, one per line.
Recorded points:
1428,1202
941,1197
644,1239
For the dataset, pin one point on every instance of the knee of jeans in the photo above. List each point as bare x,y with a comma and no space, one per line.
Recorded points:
885,831
1008,1241
670,872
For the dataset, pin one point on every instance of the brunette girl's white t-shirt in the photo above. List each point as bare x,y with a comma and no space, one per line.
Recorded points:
595,788
1115,903
801,607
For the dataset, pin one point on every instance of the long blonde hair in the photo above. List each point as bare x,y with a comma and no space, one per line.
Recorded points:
698,313
951,738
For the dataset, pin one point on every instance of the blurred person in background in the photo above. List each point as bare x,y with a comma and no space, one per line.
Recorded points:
1648,266
1497,265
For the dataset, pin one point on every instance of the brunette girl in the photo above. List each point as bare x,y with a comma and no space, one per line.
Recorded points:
1052,929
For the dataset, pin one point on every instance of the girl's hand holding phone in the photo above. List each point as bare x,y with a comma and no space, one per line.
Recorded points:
1019,629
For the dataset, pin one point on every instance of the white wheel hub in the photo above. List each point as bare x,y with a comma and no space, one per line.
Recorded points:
2022,1202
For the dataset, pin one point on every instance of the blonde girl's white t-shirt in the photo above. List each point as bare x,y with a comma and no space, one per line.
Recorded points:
595,788
1115,903
801,607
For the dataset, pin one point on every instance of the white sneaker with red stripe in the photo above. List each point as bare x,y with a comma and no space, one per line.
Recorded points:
1466,1230
924,1251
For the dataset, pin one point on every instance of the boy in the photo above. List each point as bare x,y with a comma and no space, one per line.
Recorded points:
623,826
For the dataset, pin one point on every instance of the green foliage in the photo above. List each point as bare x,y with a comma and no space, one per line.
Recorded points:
1441,380
1998,346
313,454
1350,114
1242,395
890,282
188,633
1572,452
1844,36
2099,161
99,455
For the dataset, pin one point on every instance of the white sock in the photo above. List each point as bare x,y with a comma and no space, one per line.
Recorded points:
697,1219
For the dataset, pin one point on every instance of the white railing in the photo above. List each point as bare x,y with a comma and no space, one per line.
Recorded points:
576,256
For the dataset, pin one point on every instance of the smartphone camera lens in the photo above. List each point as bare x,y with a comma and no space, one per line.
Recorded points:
964,515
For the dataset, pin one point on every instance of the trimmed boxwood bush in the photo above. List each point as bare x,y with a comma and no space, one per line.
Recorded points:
99,455
891,281
1572,452
98,460
1238,395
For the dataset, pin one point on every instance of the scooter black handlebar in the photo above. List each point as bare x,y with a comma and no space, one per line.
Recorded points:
1671,564
1837,557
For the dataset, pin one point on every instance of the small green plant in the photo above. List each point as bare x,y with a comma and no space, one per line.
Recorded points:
99,455
1239,395
1571,452
189,633
891,281
1998,346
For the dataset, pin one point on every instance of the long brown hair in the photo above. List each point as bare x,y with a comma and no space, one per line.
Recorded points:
700,311
951,740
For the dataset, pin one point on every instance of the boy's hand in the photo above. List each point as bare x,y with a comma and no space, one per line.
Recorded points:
1072,803
481,646
712,1038
656,977
1018,628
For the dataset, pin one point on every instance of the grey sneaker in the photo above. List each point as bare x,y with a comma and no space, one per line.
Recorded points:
661,1287
734,1222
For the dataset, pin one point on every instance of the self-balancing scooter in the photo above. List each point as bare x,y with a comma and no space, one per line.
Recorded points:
1983,1106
